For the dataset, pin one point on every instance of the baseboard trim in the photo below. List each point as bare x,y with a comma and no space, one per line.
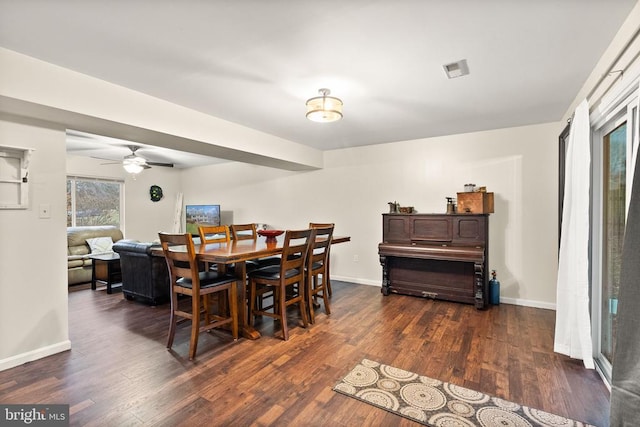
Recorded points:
377,283
504,300
39,353
528,303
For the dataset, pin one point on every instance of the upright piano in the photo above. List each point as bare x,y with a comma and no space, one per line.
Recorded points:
439,256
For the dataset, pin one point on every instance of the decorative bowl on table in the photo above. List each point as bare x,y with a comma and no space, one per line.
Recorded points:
270,234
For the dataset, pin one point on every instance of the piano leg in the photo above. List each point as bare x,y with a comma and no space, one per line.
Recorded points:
479,294
385,276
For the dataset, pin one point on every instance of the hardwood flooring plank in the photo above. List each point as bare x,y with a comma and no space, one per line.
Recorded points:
120,373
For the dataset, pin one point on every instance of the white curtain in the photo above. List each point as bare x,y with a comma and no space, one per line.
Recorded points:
573,323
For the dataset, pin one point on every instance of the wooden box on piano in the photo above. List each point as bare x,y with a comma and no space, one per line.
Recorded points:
439,256
475,202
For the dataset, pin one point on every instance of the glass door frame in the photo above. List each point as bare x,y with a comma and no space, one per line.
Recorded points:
624,110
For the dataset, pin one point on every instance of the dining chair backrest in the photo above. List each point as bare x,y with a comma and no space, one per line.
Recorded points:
181,263
323,247
318,265
244,232
320,224
294,252
323,225
214,234
319,249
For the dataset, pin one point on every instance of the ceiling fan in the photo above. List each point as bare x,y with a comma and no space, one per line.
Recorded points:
135,164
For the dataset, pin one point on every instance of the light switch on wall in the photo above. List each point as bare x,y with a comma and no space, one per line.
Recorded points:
45,210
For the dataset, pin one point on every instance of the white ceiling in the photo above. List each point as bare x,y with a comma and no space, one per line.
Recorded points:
114,150
255,62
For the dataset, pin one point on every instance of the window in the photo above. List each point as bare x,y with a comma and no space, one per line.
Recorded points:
92,201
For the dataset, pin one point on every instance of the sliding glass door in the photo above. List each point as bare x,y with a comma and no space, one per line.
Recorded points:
614,146
614,163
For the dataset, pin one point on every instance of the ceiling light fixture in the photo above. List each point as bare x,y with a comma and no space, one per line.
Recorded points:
324,108
133,164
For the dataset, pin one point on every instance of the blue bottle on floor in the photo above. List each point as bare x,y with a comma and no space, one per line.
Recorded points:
494,289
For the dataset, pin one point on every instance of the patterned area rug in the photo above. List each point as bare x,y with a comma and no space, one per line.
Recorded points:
439,404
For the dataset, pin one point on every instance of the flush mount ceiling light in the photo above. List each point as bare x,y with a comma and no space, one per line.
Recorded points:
324,108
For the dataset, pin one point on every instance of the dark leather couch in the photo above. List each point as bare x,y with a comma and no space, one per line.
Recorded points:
144,276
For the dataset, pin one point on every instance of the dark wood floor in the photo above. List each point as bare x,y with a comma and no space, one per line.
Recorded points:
120,373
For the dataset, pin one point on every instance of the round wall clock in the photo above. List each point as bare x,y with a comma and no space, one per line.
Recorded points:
156,193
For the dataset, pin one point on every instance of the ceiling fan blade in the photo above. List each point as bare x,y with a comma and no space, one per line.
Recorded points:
166,165
111,161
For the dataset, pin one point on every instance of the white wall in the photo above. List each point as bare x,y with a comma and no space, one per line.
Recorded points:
33,273
518,164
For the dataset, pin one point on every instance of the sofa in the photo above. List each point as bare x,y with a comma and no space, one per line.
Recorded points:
145,276
79,246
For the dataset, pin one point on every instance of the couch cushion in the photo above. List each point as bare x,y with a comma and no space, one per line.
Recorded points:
77,236
75,263
100,245
78,250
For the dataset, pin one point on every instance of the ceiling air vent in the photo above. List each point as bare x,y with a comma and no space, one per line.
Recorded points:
456,69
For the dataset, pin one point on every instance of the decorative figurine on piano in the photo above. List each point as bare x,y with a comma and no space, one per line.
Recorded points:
451,205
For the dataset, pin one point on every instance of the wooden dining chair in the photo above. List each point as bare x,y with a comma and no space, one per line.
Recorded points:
244,232
187,279
283,279
316,270
214,234
328,279
250,232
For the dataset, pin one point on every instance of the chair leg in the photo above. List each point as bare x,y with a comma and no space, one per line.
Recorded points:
172,319
195,326
283,312
309,288
303,305
325,297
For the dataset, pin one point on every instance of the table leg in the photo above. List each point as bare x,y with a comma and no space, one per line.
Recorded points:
109,274
246,329
93,274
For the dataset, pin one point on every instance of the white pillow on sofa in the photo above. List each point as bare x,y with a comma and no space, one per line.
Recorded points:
100,245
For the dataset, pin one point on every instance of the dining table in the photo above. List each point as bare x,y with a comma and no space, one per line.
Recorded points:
238,252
